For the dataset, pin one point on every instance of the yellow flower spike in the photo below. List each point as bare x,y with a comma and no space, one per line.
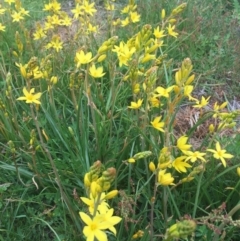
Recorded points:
136,105
182,143
152,167
180,165
220,154
158,124
111,194
165,179
238,171
96,72
30,97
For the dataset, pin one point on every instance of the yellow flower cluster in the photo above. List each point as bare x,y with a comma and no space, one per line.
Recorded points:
97,184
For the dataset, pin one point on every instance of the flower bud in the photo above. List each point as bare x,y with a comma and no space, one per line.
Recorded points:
181,229
163,13
143,154
152,167
238,171
111,194
101,57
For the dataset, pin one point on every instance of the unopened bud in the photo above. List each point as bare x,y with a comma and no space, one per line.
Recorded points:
111,194
152,167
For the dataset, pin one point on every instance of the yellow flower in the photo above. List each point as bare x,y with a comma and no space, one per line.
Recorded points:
9,1
187,91
30,97
181,143
163,92
171,32
109,7
202,103
2,10
91,202
136,105
16,16
53,6
55,43
96,225
154,102
23,11
125,22
91,28
89,8
157,33
180,165
193,156
82,58
220,154
124,53
66,21
2,27
135,17
96,72
217,108
157,124
165,179
147,57
77,11
39,33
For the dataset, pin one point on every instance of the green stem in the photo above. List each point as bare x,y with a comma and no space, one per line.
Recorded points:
197,195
